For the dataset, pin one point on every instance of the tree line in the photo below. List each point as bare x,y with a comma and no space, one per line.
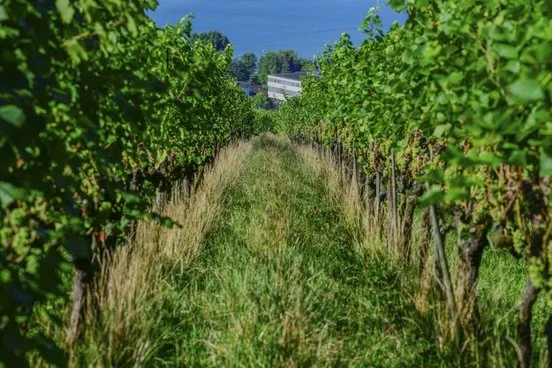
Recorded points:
248,67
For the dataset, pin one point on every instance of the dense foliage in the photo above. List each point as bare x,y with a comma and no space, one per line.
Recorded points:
462,96
219,40
282,61
244,67
99,110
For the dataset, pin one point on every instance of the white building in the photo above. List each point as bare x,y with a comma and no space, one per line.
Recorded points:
285,85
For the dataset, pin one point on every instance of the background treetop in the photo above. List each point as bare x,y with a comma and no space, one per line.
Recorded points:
218,40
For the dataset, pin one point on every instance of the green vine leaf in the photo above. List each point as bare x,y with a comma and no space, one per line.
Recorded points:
3,15
545,163
12,115
9,193
506,51
526,90
66,10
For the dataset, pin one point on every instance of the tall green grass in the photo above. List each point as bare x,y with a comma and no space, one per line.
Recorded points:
282,283
277,263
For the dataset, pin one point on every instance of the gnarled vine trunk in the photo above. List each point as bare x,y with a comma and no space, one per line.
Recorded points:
408,220
425,241
471,243
524,325
82,278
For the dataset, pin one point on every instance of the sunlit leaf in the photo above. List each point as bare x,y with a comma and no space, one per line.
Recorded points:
526,89
9,193
12,115
66,10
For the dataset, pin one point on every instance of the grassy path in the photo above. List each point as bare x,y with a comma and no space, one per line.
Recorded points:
280,283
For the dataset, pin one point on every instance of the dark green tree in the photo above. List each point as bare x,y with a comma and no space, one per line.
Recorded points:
307,65
254,78
218,40
243,68
249,61
275,62
260,101
239,71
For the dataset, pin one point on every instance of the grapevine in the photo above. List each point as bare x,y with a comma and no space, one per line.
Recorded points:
99,111
461,94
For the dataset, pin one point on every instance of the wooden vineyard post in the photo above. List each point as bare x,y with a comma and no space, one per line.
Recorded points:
186,186
442,259
394,200
355,170
339,159
378,195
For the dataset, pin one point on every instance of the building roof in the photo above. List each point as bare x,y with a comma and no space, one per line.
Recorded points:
254,88
257,88
244,84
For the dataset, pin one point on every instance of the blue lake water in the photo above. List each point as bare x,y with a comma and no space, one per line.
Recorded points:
262,25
